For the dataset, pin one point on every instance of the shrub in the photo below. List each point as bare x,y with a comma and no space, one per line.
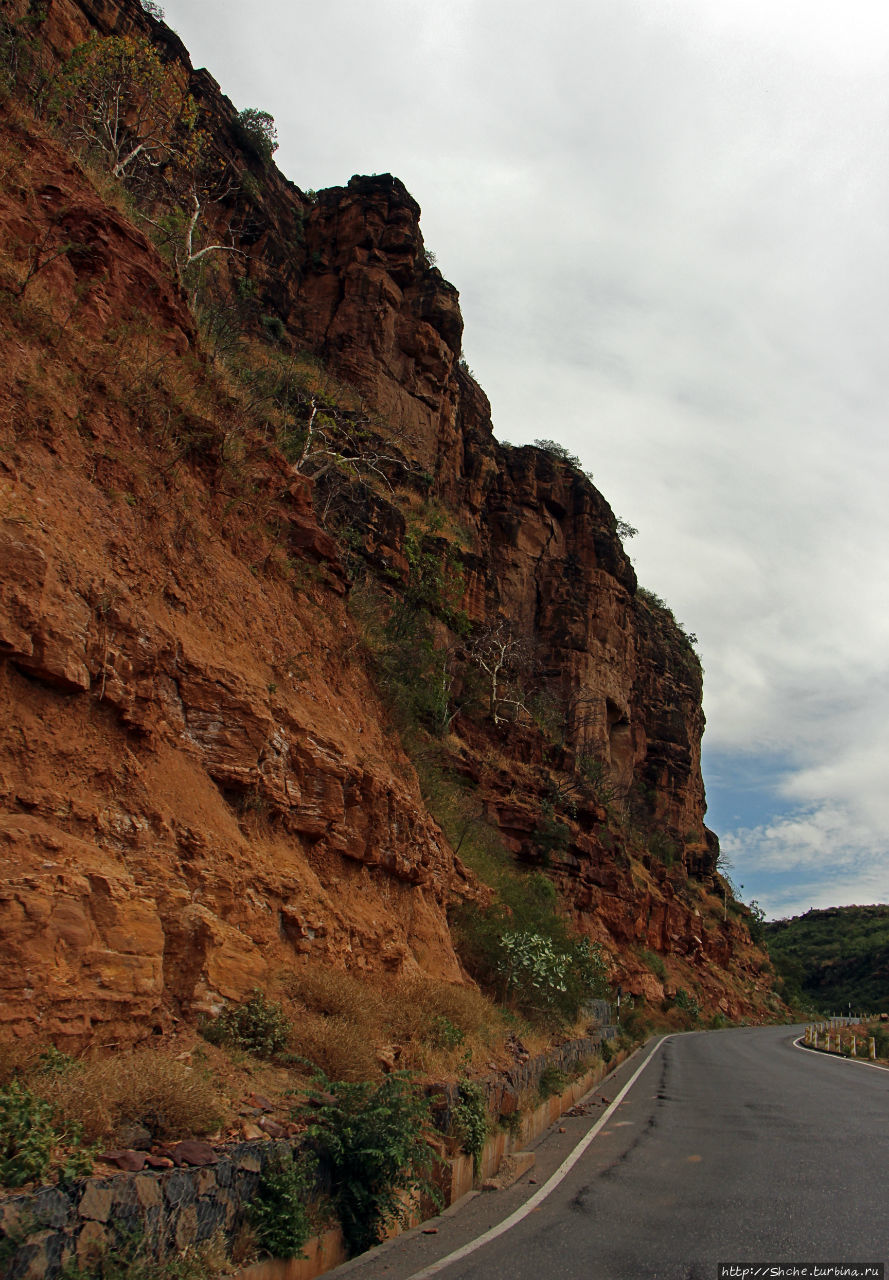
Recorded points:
552,1081
551,835
334,992
440,1013
280,1212
27,1136
31,1133
255,131
258,1025
373,1139
556,450
340,1047
547,980
147,1087
655,963
444,1034
881,1041
131,1258
687,1003
122,101
274,327
470,1120
527,907
663,848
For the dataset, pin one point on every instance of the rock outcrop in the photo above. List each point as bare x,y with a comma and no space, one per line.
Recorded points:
198,782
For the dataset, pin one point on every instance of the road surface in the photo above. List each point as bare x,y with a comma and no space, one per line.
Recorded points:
730,1147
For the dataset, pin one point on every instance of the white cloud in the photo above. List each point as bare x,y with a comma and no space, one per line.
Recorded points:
821,857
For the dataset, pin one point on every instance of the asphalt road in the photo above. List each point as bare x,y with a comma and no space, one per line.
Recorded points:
730,1147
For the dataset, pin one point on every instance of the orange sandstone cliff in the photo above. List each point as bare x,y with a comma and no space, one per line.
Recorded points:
199,783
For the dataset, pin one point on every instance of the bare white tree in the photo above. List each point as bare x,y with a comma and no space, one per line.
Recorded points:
119,99
506,659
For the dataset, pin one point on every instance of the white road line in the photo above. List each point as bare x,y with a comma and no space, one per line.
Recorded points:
550,1185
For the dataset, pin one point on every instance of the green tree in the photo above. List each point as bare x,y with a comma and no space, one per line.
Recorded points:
256,132
120,101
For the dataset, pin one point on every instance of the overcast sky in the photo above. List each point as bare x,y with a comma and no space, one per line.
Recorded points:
669,224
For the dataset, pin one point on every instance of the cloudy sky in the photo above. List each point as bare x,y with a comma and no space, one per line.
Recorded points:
669,224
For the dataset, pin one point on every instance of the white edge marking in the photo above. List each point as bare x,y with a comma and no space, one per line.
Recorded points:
834,1057
550,1185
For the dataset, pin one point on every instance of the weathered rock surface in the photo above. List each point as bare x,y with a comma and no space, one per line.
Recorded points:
197,783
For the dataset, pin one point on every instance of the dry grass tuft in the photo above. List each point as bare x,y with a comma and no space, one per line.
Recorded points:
341,1047
334,993
341,1019
147,1087
420,1001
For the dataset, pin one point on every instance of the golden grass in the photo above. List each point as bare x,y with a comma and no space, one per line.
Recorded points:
147,1087
353,1026
338,1045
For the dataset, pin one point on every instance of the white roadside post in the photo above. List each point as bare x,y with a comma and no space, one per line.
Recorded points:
873,1048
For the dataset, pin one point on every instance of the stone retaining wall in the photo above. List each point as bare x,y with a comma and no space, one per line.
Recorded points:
168,1209
41,1230
502,1091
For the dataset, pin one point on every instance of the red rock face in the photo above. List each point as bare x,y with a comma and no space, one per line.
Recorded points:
197,783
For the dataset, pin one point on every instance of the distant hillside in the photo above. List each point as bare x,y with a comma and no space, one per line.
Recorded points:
834,957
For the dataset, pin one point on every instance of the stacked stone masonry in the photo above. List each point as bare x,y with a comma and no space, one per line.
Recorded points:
169,1210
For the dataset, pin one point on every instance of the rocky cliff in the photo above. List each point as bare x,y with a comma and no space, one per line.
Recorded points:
199,782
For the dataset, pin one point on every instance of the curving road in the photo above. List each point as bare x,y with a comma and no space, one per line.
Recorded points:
731,1146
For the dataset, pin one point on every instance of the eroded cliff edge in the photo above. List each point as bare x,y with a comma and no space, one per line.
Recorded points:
200,784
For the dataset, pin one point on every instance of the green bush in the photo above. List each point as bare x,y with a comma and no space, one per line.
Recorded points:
470,1120
255,131
552,1081
445,1034
27,1136
881,1042
687,1003
655,963
31,1134
258,1026
280,1213
372,1138
551,981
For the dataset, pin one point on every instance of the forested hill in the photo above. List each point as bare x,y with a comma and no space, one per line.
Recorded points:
834,957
